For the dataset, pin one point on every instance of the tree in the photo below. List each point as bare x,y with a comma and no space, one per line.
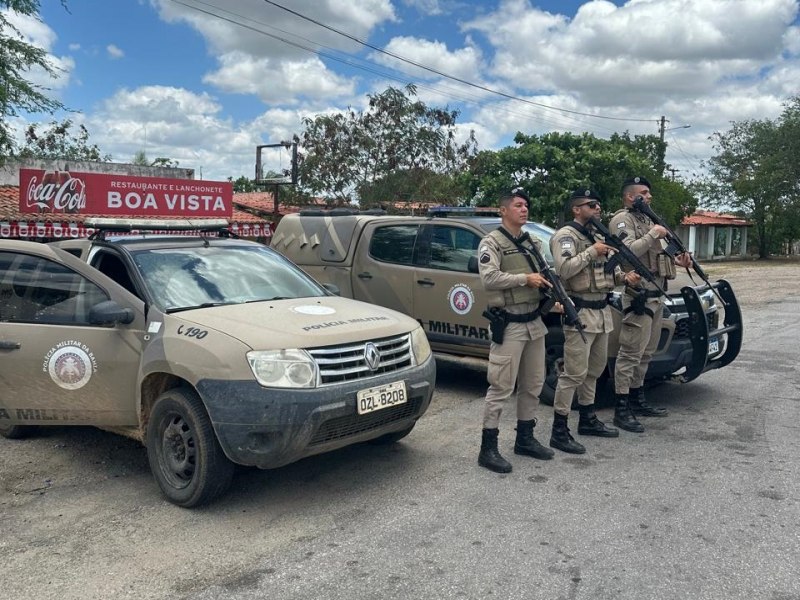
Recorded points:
140,159
751,175
17,58
552,165
58,142
351,154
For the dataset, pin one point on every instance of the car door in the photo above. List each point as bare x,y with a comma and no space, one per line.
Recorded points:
383,265
56,367
448,298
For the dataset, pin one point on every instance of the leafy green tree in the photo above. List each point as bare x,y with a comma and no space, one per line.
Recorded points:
357,154
17,58
163,161
243,184
552,165
752,174
58,142
140,159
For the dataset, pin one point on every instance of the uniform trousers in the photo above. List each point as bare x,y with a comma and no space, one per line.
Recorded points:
583,364
638,341
518,361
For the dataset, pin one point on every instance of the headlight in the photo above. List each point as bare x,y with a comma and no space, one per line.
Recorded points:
707,300
283,368
420,345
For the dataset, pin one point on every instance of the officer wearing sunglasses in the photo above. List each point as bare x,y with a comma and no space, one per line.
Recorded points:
580,260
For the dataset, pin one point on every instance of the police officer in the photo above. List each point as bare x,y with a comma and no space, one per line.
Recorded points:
513,290
642,306
580,259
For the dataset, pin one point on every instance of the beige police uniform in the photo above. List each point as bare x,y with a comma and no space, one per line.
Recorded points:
639,337
520,358
581,271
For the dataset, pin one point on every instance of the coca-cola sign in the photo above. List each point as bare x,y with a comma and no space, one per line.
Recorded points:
55,191
62,192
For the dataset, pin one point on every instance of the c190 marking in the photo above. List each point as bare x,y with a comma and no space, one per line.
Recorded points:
192,332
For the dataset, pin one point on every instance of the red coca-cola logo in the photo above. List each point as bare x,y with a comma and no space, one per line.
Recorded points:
58,192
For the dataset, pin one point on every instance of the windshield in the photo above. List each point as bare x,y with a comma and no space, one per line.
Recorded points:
192,277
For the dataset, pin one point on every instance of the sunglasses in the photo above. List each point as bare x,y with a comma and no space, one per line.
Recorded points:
590,204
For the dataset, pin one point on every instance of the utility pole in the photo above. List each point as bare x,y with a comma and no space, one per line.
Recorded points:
673,171
662,151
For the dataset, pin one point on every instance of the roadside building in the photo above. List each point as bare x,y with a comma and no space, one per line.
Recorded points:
709,235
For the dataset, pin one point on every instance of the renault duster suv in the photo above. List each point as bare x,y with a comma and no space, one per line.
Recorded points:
209,350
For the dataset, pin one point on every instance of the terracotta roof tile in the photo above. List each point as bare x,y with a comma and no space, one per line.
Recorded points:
708,217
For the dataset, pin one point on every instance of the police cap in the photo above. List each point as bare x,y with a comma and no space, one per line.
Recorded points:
636,181
518,192
585,192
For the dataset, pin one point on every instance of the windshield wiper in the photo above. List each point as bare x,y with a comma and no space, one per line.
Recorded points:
203,305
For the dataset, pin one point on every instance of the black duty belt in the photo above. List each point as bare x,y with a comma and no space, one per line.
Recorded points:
523,318
595,304
645,293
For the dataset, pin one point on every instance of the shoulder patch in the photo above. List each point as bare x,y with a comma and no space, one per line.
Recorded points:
621,225
485,258
566,241
566,254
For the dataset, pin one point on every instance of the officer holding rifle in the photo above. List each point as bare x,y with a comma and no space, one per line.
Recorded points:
642,305
581,260
517,353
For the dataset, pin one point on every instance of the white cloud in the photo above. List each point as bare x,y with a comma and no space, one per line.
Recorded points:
463,63
649,51
280,82
114,52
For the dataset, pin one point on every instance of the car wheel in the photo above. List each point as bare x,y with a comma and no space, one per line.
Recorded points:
15,432
184,454
554,363
391,438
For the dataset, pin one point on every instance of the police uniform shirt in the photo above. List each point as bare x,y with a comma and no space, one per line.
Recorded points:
581,271
490,256
639,237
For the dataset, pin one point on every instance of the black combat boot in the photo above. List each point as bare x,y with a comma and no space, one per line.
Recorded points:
639,405
489,456
561,438
624,418
589,424
527,444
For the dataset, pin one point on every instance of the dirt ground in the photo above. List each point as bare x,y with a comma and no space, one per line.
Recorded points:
76,504
758,281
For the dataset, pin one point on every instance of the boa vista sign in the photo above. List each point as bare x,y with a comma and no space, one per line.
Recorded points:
64,192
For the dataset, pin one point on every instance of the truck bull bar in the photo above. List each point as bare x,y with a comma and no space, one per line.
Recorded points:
702,335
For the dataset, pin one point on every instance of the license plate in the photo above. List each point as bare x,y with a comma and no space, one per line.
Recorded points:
713,346
380,397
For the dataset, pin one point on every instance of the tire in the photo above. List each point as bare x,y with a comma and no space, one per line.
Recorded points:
391,438
185,457
15,432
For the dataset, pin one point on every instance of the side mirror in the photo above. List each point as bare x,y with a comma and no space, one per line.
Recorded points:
109,312
472,265
332,288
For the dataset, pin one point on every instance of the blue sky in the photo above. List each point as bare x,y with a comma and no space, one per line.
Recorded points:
167,77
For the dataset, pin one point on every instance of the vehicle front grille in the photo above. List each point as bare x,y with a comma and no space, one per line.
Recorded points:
682,325
350,425
349,363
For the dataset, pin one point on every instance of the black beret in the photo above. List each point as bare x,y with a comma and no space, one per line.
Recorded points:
636,181
520,193
585,192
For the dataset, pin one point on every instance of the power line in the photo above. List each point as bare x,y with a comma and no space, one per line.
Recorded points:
442,74
349,61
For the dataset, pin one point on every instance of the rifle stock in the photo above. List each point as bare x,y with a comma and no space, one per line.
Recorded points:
558,292
675,246
623,255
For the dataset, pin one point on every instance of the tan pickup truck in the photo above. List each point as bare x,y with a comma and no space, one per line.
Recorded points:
426,267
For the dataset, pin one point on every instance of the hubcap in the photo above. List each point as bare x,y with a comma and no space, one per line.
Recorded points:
178,451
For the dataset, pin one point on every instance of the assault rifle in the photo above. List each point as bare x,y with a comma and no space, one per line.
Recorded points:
675,246
623,255
557,292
